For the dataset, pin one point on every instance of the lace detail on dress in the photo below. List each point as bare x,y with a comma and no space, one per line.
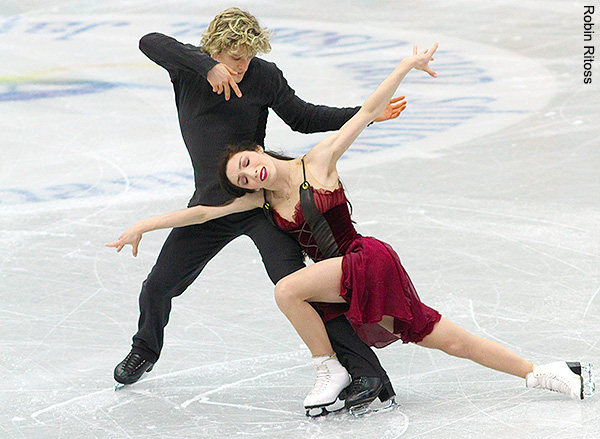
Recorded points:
325,199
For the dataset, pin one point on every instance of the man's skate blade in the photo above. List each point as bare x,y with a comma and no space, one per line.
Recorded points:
366,409
356,411
359,410
362,408
119,386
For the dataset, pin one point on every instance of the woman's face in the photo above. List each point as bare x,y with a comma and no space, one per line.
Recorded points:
251,169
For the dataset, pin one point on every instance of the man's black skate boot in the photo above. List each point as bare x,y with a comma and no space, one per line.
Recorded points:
362,392
387,393
131,368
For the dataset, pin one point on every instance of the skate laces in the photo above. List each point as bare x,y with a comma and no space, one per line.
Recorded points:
322,380
554,382
559,377
356,384
133,362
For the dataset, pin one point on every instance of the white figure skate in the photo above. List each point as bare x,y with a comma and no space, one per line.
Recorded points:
573,379
332,378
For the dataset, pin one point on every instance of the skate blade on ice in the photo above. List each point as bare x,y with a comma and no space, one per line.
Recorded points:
586,375
356,411
324,410
365,409
587,378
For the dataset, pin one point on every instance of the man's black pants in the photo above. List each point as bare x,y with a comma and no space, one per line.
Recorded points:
186,252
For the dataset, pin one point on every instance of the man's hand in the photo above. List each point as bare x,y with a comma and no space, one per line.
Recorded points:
219,77
392,110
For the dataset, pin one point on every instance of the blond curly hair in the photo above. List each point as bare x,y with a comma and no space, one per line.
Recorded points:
236,31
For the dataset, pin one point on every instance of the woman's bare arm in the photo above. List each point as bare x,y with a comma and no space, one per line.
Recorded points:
185,217
330,149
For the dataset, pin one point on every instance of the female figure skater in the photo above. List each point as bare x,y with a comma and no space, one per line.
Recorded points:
359,276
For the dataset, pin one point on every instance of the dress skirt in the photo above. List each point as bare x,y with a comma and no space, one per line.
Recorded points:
374,284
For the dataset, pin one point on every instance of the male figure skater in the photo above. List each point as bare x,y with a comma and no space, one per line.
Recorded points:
223,93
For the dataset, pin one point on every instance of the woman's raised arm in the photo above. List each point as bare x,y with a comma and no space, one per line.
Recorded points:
332,147
185,217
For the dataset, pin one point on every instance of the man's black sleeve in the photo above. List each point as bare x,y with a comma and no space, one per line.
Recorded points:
174,56
302,116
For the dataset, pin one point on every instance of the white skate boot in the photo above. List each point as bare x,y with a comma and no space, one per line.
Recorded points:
572,379
332,378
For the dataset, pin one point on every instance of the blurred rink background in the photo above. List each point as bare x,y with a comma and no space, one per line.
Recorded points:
488,187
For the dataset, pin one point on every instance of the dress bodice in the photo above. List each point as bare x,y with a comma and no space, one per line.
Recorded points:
373,282
334,207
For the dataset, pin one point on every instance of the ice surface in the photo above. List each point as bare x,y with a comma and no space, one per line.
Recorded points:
488,186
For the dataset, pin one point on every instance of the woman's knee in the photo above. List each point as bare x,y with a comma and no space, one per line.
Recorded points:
461,346
285,292
454,348
451,339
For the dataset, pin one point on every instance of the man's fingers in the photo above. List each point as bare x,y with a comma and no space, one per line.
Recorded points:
400,110
226,90
235,88
230,70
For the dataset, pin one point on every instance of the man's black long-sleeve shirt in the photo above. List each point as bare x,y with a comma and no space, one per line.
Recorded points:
209,123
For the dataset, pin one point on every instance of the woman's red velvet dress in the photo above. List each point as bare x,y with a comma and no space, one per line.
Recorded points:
374,283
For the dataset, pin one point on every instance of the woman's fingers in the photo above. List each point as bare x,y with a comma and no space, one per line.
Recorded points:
429,52
117,244
430,71
433,49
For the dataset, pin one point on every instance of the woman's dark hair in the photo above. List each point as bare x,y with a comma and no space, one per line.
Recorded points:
233,149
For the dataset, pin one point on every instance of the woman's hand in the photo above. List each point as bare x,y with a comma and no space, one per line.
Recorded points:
392,109
420,61
132,236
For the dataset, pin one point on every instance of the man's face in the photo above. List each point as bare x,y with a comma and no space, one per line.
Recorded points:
237,61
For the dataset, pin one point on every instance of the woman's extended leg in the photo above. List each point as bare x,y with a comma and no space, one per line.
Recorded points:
573,379
319,282
454,340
